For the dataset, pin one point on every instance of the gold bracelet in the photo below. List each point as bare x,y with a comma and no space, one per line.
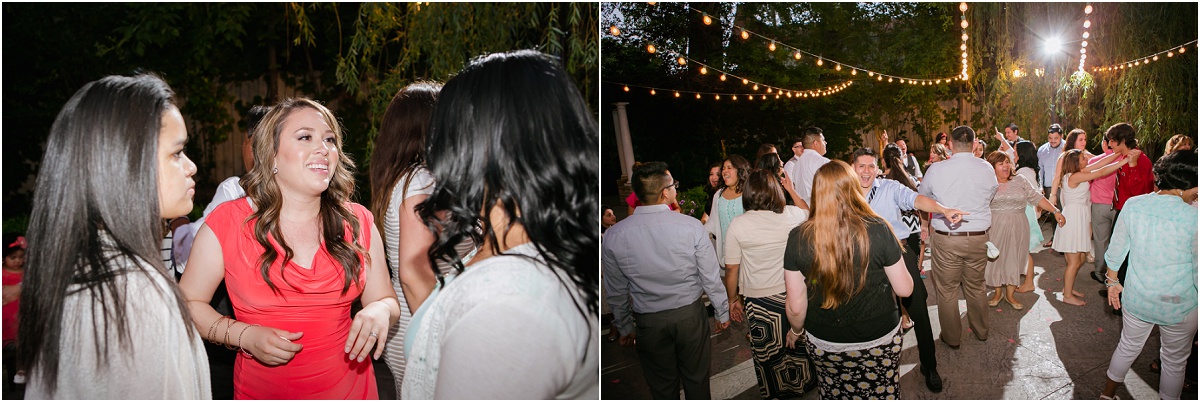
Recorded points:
242,349
212,330
227,328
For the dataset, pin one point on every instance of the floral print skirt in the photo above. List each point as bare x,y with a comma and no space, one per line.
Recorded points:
868,370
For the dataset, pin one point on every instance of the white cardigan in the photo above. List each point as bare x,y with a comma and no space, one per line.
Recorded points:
714,227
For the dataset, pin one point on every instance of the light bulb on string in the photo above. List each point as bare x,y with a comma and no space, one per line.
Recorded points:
626,88
722,77
772,46
1182,49
879,78
735,97
963,47
682,61
697,96
797,55
964,55
653,92
1088,9
870,73
614,31
1156,57
820,62
965,37
676,94
703,70
755,87
769,90
963,24
651,49
745,81
707,20
1082,50
854,72
1086,34
1170,54
718,97
962,7
1087,24
838,67
745,35
1084,44
889,79
651,3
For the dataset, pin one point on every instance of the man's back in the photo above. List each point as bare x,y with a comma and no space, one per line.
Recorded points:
964,182
662,255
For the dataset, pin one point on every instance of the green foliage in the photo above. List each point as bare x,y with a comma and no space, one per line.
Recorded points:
396,44
693,200
16,225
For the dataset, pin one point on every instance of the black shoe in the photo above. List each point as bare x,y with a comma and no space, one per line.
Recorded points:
1103,292
1098,278
1116,311
932,380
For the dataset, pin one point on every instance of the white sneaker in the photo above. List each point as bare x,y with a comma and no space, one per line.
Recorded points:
19,378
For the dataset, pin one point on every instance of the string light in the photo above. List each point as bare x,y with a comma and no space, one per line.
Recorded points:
614,31
722,77
1143,60
707,20
745,81
651,49
703,70
962,7
682,61
1083,45
774,44
812,93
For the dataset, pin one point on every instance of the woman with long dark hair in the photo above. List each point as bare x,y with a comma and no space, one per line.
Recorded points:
512,145
770,162
295,253
400,182
848,257
754,266
101,318
1027,167
727,202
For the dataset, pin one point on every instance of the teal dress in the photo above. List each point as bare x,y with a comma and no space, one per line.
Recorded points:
1035,230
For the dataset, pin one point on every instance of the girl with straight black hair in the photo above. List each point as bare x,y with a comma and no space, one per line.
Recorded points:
512,145
103,319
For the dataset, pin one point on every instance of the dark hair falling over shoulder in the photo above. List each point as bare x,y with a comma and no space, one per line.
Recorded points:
84,230
400,144
527,145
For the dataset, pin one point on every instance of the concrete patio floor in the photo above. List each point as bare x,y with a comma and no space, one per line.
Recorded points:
1049,350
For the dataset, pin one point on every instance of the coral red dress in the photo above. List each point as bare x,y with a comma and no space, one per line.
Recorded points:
11,309
308,300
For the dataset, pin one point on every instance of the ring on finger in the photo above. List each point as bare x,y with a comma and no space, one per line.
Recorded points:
373,335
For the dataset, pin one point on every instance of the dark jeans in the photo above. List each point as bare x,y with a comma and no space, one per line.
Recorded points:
917,304
674,347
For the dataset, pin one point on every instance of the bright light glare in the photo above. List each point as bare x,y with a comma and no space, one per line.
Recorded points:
1053,45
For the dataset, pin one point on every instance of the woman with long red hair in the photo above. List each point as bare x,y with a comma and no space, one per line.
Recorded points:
850,260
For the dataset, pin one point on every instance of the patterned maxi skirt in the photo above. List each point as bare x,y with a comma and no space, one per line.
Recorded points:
782,373
867,370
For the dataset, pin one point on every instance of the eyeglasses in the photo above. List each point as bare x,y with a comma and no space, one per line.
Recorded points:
675,184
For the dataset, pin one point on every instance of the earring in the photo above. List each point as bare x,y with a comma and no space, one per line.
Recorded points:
275,170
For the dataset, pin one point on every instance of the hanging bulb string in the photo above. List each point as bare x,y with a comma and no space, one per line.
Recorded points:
1144,60
821,60
811,93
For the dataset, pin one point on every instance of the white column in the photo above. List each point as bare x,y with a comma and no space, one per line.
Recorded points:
624,145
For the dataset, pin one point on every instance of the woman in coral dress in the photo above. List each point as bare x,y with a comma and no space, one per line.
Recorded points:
295,254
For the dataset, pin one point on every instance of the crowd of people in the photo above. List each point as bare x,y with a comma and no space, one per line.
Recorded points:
829,282
471,287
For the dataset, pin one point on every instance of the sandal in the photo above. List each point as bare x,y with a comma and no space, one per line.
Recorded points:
906,324
1156,366
1102,396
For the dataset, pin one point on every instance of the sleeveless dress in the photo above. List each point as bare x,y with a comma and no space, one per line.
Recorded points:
1010,231
308,300
1076,236
11,309
420,182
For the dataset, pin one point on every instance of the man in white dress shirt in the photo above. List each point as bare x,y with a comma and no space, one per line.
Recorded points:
960,250
811,160
792,166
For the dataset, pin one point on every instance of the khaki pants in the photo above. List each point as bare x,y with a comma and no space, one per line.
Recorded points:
958,264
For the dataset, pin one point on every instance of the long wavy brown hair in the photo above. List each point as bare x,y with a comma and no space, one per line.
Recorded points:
837,231
400,145
335,213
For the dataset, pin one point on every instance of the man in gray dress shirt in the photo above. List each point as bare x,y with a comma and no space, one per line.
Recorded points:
662,262
960,250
